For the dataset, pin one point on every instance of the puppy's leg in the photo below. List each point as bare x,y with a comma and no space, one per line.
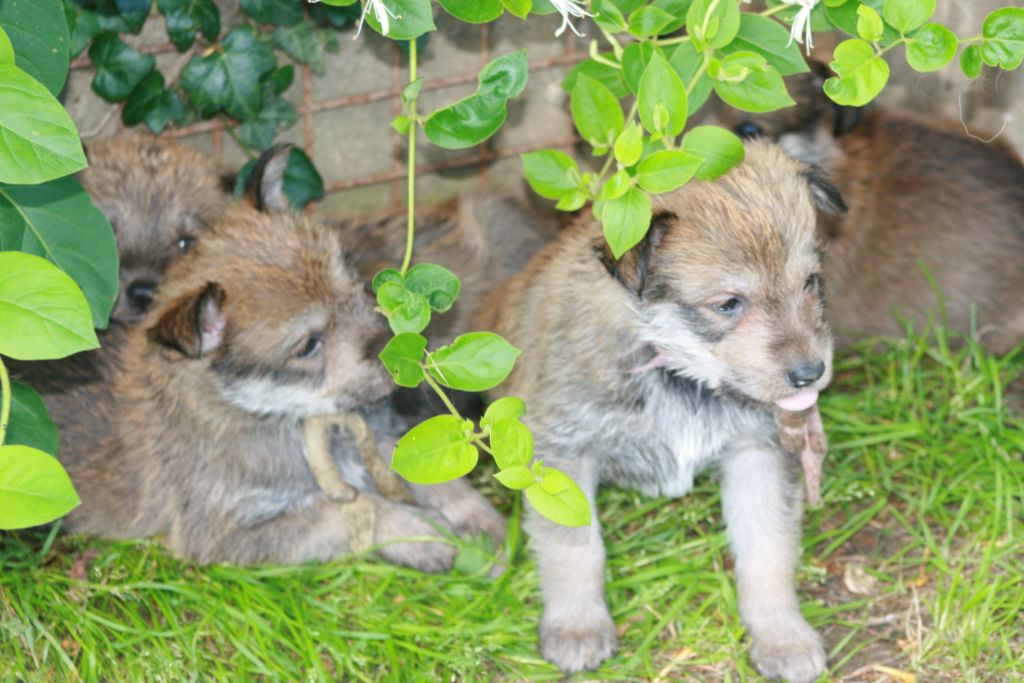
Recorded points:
761,503
576,629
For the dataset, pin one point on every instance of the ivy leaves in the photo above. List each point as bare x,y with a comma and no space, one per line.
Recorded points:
227,79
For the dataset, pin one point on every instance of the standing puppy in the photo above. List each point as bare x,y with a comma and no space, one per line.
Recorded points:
642,372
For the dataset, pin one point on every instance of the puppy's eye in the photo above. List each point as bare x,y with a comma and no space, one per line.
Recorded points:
730,307
186,243
312,348
813,282
748,129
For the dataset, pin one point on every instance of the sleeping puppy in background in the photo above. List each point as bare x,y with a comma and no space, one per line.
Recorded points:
921,194
642,372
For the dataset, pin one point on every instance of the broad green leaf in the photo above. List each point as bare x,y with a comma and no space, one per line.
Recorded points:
869,24
608,16
439,285
719,148
406,311
506,407
228,79
119,68
473,11
401,356
38,140
517,477
476,361
302,183
58,221
568,506
617,185
518,8
746,81
648,21
34,488
551,174
635,58
83,26
687,61
906,15
678,10
412,18
185,18
844,17
504,76
931,48
38,31
122,16
275,115
305,45
629,145
511,443
767,38
668,170
151,104
610,77
387,275
1002,34
713,22
573,201
596,112
42,312
276,12
625,220
30,424
661,85
861,74
6,49
970,61
436,451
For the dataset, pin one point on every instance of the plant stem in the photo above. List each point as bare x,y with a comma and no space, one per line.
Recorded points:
696,76
775,10
411,198
5,402
439,391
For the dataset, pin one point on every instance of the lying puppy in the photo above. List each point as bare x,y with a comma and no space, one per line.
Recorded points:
642,372
920,194
199,434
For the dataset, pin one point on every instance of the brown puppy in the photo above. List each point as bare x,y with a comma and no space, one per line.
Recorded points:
644,371
920,194
199,435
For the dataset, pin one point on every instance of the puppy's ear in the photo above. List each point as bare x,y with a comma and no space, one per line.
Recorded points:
265,188
844,119
824,194
633,268
194,324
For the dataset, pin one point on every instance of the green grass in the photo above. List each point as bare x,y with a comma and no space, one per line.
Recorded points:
913,565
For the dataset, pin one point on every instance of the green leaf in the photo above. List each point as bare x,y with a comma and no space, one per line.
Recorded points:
629,145
608,16
30,424
719,148
518,8
506,407
770,40
635,58
185,18
713,23
402,355
42,312
476,361
83,26
596,112
668,170
931,48
678,10
387,275
505,76
228,79
275,115
58,221
746,81
617,185
970,61
1002,34
551,173
625,220
436,451
511,443
149,103
412,18
38,140
122,16
473,11
6,49
869,23
648,21
687,61
276,12
304,45
906,15
34,488
439,285
406,311
302,183
411,92
517,477
568,506
572,201
38,31
608,76
119,68
661,85
861,74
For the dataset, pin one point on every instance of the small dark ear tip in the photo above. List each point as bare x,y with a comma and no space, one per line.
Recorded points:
264,186
824,193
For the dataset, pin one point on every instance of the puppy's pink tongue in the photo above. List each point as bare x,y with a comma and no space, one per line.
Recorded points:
802,401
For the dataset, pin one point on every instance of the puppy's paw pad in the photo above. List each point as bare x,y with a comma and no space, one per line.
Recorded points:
578,645
797,657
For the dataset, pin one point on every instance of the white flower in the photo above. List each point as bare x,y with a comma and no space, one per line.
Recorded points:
802,23
380,11
566,8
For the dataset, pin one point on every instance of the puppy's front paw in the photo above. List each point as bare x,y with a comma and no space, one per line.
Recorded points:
788,649
399,522
578,643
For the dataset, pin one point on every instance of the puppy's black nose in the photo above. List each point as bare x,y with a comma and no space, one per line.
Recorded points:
140,294
806,372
